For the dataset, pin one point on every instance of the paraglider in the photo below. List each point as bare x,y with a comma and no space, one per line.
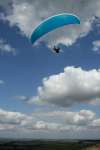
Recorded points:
53,23
57,50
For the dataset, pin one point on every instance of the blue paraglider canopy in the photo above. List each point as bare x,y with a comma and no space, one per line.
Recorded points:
53,23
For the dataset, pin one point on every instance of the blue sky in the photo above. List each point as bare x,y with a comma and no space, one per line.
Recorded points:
45,113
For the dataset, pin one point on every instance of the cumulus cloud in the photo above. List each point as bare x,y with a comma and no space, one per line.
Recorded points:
96,46
74,85
10,119
6,48
42,125
28,14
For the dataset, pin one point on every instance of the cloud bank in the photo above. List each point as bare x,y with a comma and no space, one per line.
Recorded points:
49,120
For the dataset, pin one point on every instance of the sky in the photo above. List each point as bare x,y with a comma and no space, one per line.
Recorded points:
43,94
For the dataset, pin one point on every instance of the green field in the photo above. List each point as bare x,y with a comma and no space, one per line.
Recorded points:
49,145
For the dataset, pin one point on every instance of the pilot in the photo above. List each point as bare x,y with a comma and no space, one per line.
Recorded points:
57,50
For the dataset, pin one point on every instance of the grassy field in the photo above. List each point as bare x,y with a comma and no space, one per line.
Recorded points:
94,147
50,145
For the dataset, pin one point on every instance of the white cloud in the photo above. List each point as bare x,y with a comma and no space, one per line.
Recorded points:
50,121
96,46
83,117
22,98
63,120
74,85
96,123
60,120
2,82
42,125
11,119
6,48
27,14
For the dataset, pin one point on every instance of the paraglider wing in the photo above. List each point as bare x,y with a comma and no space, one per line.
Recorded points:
52,23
